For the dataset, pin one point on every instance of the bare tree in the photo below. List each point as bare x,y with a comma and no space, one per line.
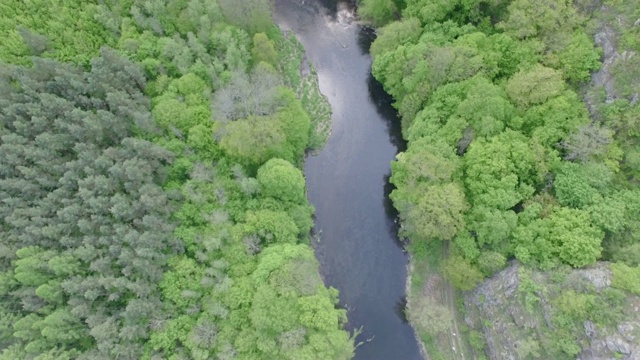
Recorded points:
246,95
588,141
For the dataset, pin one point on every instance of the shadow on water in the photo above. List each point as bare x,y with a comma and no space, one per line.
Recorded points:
355,237
401,309
383,102
392,213
366,36
331,7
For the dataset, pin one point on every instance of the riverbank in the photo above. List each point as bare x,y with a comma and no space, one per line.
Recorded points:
357,248
499,144
301,76
433,309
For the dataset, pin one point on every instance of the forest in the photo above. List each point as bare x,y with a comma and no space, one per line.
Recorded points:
153,204
514,154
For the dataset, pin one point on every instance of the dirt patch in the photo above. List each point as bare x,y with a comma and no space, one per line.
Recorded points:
433,312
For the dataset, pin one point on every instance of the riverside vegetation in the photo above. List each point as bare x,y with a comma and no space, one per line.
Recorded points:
505,161
152,203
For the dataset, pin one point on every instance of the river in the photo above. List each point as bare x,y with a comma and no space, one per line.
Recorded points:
347,181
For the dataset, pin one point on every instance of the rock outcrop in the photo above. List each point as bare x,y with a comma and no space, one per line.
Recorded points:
515,311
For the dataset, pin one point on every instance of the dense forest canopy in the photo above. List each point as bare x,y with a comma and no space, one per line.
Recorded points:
494,123
505,160
152,201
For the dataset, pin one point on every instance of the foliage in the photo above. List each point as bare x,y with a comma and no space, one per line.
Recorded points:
255,139
430,317
251,15
626,277
86,193
534,86
435,215
281,180
488,100
462,275
144,218
394,34
379,12
67,31
263,49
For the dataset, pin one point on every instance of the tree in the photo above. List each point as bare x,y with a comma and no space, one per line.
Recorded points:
247,95
281,180
534,86
491,262
278,316
588,142
251,15
566,235
552,121
502,171
579,58
429,316
424,163
92,192
552,21
578,185
253,140
263,49
395,34
625,277
464,11
492,227
74,35
271,226
462,275
379,12
433,213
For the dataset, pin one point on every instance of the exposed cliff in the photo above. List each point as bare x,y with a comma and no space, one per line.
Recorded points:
524,314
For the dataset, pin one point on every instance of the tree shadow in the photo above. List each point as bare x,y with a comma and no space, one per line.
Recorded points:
393,218
400,308
383,103
366,36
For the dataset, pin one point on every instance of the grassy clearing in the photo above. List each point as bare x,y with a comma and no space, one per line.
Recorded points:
432,306
301,76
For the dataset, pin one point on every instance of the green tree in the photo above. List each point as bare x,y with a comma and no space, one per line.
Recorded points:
433,213
579,58
492,227
462,275
100,188
534,86
566,235
625,277
253,140
263,49
580,185
395,34
251,15
281,180
379,12
501,172
491,262
552,21
424,163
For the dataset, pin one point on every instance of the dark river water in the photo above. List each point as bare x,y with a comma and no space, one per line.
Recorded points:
347,181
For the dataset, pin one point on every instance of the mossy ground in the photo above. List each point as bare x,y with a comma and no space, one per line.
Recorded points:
301,76
433,309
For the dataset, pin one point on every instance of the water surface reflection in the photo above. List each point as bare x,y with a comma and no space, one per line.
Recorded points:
348,180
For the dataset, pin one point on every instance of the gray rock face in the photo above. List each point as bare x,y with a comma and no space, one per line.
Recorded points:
599,277
616,344
512,319
606,39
